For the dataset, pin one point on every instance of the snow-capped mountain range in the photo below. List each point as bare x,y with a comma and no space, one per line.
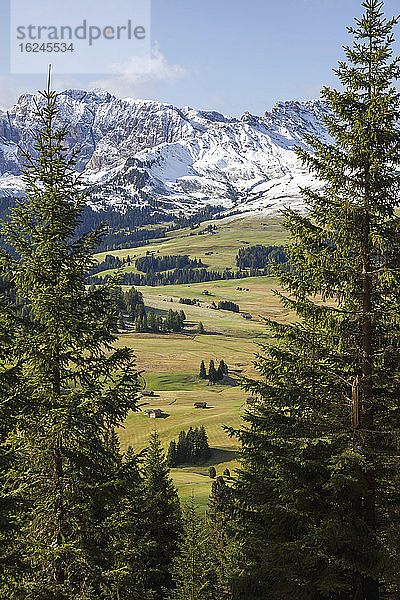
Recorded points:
134,150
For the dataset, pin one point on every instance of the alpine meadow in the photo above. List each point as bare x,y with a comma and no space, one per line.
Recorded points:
200,338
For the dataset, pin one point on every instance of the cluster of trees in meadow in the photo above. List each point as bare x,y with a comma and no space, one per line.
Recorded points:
130,303
173,321
259,257
228,305
191,448
213,374
222,304
154,264
313,511
110,262
178,276
189,301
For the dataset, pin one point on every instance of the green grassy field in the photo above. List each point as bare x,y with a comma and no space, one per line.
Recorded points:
260,301
170,362
224,243
225,406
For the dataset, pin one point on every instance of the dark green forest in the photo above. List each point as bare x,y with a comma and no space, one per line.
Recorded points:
151,263
259,256
176,277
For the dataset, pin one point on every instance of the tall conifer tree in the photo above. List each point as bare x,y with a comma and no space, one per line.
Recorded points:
76,387
171,454
130,540
212,373
11,400
318,495
202,372
162,519
194,569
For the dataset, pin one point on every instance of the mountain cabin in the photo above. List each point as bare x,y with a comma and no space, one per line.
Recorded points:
153,413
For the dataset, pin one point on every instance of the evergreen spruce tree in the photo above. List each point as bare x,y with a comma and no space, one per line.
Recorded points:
221,371
130,541
172,454
141,319
181,448
317,497
219,519
203,446
117,297
75,387
133,299
212,472
200,328
121,323
162,520
170,320
194,570
196,446
212,373
11,563
190,445
203,372
153,322
217,512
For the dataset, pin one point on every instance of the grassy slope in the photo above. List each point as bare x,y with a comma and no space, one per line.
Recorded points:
231,235
171,361
225,407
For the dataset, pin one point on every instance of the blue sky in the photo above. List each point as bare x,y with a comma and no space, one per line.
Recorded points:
227,55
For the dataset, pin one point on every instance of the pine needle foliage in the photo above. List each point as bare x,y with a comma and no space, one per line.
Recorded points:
11,400
77,387
162,520
195,568
317,495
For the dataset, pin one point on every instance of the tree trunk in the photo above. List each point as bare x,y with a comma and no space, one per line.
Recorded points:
59,574
370,587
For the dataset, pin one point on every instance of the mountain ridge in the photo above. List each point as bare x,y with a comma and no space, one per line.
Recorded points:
138,152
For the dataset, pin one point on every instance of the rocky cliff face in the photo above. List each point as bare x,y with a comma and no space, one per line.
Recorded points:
136,150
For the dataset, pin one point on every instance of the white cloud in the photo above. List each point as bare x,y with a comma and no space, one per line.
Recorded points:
140,76
135,77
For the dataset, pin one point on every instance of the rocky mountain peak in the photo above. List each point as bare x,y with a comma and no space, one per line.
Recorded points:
184,158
